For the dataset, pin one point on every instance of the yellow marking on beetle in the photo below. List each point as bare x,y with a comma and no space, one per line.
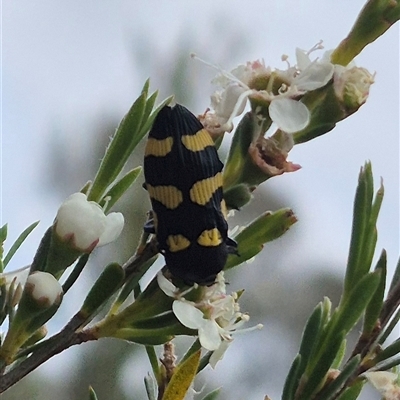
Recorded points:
210,238
177,243
197,142
155,221
201,192
224,209
158,148
169,196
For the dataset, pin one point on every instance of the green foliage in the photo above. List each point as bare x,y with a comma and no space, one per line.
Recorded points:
251,239
21,238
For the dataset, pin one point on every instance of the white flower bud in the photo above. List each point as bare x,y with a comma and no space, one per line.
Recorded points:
84,224
44,288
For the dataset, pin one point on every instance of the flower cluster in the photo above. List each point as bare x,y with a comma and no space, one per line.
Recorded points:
277,93
216,316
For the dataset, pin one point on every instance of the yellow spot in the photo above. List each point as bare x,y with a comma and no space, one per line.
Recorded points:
197,142
201,192
177,243
210,238
224,210
158,148
169,196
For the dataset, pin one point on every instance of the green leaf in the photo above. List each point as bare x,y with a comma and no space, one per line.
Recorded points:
151,354
92,394
314,381
331,390
237,196
389,352
3,237
105,286
311,334
21,238
374,307
3,233
120,148
390,327
119,188
375,18
182,378
267,227
361,212
290,387
340,355
74,275
309,341
351,310
238,152
149,121
131,283
352,392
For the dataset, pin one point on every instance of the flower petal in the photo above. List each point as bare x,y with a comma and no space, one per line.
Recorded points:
209,335
316,75
165,285
113,228
218,354
290,115
187,314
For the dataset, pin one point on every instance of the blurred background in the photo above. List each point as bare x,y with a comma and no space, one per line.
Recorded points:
70,71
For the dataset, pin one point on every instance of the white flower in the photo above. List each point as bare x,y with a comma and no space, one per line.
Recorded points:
44,288
84,224
385,383
216,316
255,80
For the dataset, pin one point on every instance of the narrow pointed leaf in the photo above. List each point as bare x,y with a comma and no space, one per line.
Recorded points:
182,378
92,394
331,390
21,238
390,327
267,227
352,392
120,187
361,210
375,305
149,121
351,311
107,283
123,143
312,332
389,352
317,377
74,275
292,379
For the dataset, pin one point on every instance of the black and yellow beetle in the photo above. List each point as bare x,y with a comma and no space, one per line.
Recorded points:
183,176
